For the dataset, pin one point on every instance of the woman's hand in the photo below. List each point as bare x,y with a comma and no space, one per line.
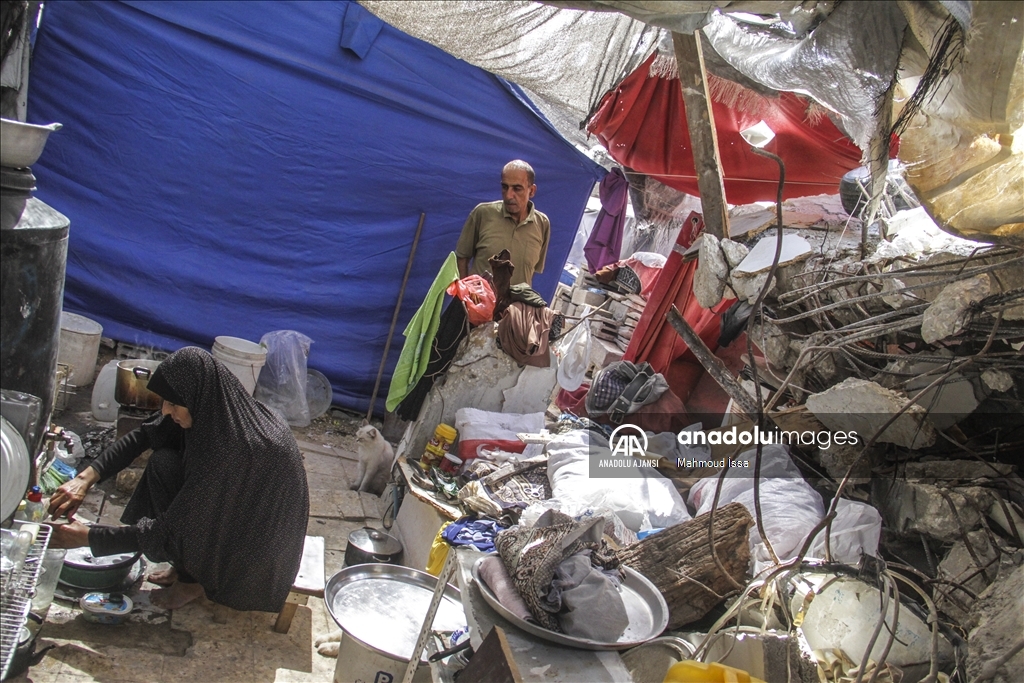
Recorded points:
70,535
66,500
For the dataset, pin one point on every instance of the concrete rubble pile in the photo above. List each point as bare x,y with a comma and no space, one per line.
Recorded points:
896,556
914,341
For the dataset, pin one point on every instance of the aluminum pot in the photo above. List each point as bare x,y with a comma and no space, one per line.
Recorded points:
132,382
369,545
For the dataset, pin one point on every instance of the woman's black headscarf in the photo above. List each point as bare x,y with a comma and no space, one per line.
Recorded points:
239,521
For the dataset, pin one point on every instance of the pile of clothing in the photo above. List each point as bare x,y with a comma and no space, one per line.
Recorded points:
561,575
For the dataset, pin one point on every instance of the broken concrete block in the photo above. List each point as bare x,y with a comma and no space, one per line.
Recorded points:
837,459
947,316
712,271
960,567
748,287
997,380
532,392
892,294
588,297
954,471
794,248
734,252
863,407
842,616
948,403
1007,279
999,614
604,352
909,506
774,344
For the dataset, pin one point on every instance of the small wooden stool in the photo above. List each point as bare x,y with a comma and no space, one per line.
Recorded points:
308,582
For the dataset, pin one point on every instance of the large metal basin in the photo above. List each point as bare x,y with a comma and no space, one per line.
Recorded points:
381,608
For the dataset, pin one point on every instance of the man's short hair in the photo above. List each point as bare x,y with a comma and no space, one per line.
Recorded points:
520,165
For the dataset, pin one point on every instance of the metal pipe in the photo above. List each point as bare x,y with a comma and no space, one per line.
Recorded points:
394,316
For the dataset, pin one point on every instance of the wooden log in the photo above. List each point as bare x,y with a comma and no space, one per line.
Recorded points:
678,561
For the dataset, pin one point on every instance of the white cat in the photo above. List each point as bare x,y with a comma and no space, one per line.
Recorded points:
376,459
329,644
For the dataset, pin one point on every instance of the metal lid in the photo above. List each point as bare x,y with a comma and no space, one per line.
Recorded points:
375,541
82,558
383,605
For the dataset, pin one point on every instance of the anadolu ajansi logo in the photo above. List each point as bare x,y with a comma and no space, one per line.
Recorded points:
623,443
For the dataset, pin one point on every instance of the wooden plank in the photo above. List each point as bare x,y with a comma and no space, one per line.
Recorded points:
494,662
700,120
310,579
714,365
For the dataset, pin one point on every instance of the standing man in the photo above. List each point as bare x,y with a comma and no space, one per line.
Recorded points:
513,224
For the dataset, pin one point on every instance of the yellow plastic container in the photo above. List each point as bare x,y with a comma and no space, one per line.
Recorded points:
699,672
438,446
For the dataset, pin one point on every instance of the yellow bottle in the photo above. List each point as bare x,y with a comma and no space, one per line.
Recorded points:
699,672
438,446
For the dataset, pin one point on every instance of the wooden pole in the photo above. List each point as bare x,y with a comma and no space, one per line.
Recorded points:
713,364
394,316
700,120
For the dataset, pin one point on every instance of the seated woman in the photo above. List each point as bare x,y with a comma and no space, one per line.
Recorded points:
223,498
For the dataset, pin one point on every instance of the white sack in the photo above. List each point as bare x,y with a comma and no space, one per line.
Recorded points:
855,532
645,502
790,508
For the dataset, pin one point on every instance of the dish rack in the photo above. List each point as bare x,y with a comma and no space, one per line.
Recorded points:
15,607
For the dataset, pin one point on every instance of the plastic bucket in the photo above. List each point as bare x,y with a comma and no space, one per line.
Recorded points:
244,358
79,347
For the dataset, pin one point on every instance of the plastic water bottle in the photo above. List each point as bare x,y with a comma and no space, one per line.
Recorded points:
34,509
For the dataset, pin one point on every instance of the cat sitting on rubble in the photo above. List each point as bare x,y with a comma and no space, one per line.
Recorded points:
376,459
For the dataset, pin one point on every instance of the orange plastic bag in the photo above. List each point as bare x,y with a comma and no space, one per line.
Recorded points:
478,297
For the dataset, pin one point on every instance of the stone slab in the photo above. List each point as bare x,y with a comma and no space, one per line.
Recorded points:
794,247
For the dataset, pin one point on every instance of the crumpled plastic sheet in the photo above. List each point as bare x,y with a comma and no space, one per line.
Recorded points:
566,56
846,63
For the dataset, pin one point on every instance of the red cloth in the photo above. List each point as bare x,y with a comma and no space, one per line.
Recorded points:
654,340
642,124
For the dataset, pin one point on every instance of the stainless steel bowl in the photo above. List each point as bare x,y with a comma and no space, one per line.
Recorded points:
21,144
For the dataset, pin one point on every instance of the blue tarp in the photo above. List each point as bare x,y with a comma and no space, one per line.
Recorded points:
232,168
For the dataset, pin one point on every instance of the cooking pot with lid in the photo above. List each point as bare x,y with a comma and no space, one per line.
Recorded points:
83,570
131,386
369,545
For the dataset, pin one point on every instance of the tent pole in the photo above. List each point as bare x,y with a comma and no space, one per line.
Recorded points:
394,317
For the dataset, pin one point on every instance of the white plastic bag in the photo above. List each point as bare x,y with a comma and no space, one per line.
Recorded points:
282,382
574,357
856,530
